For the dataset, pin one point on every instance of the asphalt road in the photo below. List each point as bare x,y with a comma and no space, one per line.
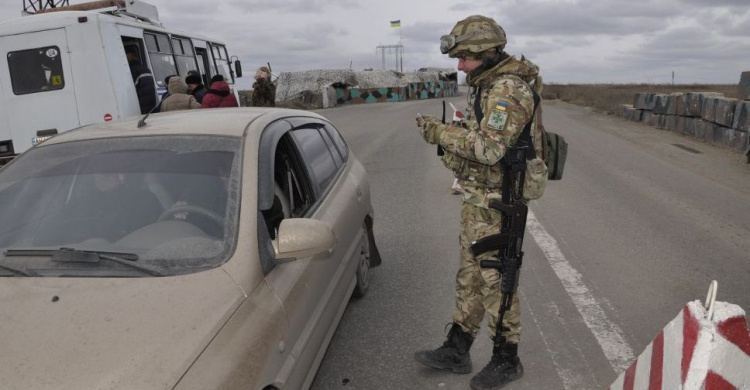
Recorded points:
641,223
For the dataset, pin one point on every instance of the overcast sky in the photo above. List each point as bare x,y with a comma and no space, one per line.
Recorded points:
573,41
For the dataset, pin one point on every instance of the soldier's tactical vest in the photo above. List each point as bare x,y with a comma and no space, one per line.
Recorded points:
491,176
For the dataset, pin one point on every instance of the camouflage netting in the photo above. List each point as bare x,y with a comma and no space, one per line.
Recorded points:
290,85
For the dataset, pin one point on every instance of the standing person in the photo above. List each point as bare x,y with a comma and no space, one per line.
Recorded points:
166,94
145,86
195,84
264,91
218,94
500,106
178,98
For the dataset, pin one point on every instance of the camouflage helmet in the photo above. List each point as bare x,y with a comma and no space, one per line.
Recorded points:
472,36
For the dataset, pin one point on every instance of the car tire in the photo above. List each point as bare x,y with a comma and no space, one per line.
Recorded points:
363,266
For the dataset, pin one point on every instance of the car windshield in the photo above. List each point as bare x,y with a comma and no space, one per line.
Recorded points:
170,201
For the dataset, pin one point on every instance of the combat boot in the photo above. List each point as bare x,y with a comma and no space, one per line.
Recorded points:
453,355
504,367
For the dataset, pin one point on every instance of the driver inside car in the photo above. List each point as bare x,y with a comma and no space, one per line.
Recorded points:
110,208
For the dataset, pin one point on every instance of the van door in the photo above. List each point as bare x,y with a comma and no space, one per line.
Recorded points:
37,86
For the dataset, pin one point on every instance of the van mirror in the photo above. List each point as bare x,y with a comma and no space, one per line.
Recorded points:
237,68
302,237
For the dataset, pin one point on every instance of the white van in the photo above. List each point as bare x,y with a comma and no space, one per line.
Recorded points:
68,68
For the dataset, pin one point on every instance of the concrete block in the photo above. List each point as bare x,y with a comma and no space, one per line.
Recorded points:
645,101
694,102
725,136
682,104
724,111
635,115
700,128
744,87
660,121
661,103
671,122
680,126
699,349
646,115
639,101
673,103
742,116
736,139
690,126
707,110
624,110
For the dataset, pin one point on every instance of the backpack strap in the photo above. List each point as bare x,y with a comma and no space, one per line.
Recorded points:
526,133
478,114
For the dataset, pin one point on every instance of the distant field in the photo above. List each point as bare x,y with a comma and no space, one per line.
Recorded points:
607,97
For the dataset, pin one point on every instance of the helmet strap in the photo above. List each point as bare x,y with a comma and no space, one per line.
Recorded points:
489,60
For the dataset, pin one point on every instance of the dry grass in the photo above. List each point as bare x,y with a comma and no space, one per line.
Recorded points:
607,98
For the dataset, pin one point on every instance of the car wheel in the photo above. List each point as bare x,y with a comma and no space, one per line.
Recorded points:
363,266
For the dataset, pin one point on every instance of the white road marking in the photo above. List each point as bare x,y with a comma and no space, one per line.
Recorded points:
570,379
607,333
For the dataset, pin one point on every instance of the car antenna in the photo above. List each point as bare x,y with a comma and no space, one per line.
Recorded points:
142,122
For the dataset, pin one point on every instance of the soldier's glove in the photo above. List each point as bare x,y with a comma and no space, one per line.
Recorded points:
431,129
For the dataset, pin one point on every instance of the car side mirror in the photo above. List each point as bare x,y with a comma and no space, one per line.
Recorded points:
237,68
302,237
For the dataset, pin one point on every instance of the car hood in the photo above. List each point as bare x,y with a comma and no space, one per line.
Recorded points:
109,333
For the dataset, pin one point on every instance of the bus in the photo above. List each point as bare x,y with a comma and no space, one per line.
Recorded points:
67,67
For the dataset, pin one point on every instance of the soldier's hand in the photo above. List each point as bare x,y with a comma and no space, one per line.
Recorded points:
430,128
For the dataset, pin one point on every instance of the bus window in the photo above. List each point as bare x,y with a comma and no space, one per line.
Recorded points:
36,70
222,61
160,54
202,57
183,54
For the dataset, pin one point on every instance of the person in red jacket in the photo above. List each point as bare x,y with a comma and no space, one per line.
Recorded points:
218,94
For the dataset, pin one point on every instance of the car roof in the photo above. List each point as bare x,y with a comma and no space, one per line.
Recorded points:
236,122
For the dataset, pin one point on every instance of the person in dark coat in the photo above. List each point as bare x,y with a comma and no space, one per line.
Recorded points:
218,94
264,91
145,87
195,85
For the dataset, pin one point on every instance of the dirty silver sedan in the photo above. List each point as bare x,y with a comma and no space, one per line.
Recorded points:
210,249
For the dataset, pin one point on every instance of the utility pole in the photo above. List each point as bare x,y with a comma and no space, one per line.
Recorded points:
673,78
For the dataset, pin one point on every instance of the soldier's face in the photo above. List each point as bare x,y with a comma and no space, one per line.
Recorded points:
467,64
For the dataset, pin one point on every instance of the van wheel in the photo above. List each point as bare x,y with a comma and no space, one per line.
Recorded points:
363,266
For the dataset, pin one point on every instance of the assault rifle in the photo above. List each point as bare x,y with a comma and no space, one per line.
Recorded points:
509,241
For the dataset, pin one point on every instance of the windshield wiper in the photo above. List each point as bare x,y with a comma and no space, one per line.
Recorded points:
71,255
18,271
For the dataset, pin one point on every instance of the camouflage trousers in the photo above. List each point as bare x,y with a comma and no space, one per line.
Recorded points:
478,289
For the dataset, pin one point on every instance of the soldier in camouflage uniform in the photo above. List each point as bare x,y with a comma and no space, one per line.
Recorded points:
500,106
264,91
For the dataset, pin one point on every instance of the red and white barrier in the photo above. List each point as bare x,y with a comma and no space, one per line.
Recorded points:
695,353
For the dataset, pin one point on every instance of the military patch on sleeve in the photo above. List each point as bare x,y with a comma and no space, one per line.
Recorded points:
499,117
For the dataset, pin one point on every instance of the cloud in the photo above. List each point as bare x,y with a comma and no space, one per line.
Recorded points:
571,40
293,6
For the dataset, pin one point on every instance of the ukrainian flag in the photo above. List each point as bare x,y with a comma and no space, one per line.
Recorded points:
501,106
396,23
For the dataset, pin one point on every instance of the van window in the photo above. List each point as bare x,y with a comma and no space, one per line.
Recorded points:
36,70
160,54
183,54
222,61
